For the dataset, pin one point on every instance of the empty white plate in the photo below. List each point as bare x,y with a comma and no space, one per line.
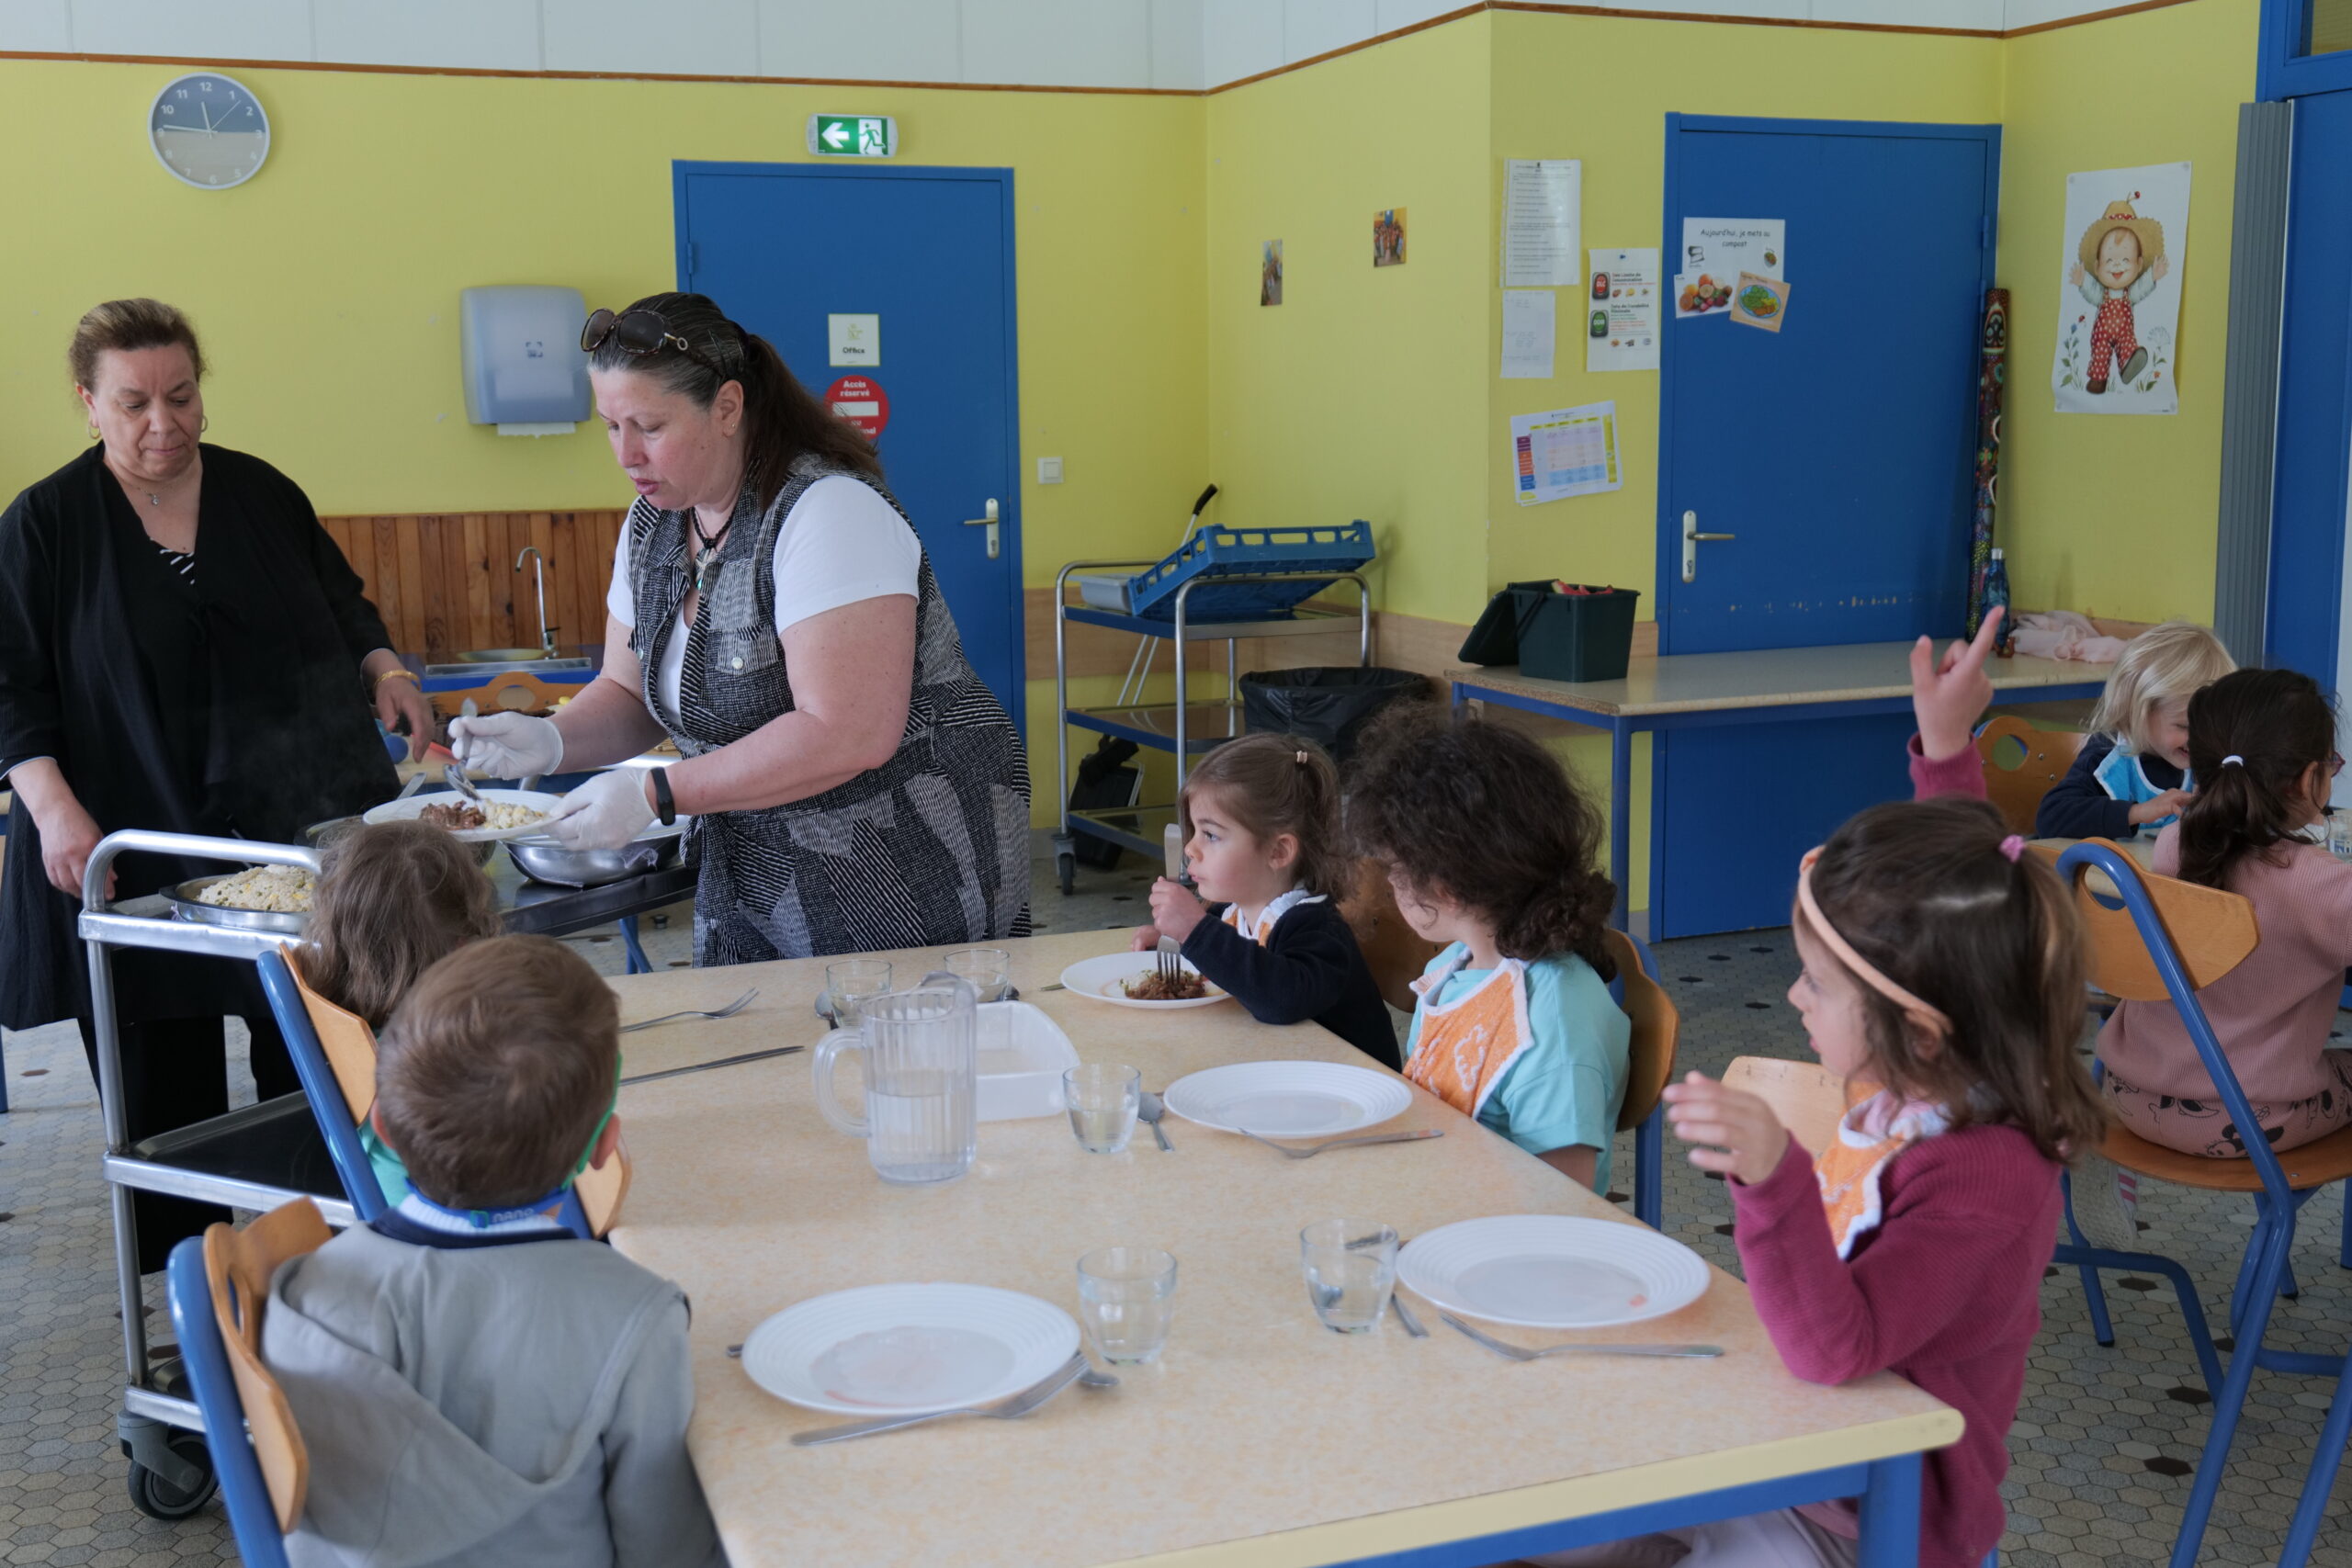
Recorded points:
1288,1100
1551,1271
1104,979
904,1349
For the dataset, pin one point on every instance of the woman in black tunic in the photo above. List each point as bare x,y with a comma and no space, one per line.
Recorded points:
181,648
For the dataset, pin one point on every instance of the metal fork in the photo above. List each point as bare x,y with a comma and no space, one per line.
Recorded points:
1310,1152
730,1011
1521,1353
1172,955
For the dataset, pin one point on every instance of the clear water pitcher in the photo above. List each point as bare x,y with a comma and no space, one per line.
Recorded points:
919,1052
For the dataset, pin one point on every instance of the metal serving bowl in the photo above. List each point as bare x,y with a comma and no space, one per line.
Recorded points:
543,859
182,897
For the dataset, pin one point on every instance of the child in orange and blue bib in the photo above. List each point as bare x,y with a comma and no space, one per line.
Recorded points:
1489,849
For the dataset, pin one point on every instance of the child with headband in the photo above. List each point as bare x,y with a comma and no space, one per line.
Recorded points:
1943,979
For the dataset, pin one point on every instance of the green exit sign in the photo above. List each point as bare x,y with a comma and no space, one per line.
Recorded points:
852,135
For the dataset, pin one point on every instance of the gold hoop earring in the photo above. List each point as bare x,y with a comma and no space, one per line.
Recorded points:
203,423
94,430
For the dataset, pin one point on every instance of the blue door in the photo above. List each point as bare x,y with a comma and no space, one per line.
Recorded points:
1837,452
783,246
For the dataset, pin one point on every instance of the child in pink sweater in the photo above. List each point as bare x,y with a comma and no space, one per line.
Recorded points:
1943,963
2262,744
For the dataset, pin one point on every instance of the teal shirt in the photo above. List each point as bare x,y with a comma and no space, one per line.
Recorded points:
390,1174
1569,1084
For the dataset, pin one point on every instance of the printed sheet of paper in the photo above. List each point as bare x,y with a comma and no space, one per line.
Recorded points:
1527,333
1567,452
1622,311
2120,263
1541,202
1715,251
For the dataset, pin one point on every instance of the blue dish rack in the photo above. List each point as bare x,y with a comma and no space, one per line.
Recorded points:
1216,552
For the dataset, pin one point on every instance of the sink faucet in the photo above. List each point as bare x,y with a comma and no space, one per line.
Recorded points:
540,577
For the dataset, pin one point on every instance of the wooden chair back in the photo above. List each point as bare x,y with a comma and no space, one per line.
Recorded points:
1391,951
238,1264
345,1037
1658,1026
517,691
2017,792
2212,931
1808,1096
603,1189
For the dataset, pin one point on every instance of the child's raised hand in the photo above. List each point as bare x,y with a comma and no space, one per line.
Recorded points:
2074,275
1174,910
1738,1134
1947,695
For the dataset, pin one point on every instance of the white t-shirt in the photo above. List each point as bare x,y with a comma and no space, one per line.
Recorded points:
841,543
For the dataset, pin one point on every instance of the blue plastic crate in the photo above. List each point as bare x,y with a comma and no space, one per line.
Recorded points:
1216,552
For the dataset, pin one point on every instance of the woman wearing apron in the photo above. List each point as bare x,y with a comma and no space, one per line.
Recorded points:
854,784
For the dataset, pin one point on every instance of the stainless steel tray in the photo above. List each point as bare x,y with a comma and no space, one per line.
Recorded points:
185,906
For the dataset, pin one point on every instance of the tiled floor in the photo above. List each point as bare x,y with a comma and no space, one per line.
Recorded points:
2101,1448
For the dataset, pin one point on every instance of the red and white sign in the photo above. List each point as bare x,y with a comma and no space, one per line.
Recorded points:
862,403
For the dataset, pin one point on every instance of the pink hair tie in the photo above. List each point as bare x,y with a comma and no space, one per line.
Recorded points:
2013,846
1929,1017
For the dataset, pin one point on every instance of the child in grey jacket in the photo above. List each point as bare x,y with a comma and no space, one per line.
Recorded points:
475,1384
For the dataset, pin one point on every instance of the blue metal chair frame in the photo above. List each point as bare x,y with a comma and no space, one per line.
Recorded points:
253,1517
2262,1277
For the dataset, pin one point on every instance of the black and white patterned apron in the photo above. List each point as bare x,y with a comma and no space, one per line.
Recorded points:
929,848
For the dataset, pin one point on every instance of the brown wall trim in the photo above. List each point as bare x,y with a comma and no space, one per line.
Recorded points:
1535,6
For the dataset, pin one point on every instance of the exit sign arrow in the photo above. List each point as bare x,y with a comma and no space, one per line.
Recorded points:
835,136
853,136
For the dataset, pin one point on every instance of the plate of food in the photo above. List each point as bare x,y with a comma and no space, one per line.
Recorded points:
504,814
260,897
1132,980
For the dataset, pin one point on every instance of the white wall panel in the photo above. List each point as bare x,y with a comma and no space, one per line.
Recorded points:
712,38
1394,14
2033,13
234,29
44,26
1979,15
1176,39
1063,43
1317,27
873,40
1240,39
488,35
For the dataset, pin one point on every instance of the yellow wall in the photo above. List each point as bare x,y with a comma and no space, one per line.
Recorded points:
326,289
2115,516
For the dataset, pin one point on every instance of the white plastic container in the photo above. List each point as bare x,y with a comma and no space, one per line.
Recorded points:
1023,1054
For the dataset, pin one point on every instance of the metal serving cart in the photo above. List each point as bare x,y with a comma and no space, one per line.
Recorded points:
1185,728
260,1155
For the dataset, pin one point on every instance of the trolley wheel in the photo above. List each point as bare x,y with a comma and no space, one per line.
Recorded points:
1066,867
160,1499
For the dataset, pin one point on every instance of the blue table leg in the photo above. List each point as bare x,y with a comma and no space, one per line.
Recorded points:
1621,816
1891,1514
638,963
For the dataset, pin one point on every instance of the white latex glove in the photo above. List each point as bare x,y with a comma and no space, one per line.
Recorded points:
603,814
507,745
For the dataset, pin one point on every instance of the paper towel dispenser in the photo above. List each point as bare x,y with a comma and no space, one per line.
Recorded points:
524,367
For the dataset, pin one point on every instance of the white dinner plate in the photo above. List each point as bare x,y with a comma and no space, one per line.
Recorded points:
904,1349
1551,1271
407,807
1288,1100
1102,978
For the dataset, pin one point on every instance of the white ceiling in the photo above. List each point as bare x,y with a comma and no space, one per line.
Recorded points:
1090,43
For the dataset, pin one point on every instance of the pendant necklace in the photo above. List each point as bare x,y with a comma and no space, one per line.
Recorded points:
710,551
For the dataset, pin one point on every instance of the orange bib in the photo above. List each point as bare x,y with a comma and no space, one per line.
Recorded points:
1850,1170
1466,1046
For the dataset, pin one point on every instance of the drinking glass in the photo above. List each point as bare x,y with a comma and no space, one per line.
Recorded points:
1351,1269
1126,1297
850,982
1102,1100
986,969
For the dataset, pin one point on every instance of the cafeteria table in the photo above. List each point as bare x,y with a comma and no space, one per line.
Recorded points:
1260,1440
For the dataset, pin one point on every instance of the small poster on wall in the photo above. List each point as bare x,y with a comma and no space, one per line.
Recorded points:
1715,251
1388,237
2119,315
1270,274
1621,316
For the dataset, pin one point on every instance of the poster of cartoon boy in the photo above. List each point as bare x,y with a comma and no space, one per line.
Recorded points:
2119,311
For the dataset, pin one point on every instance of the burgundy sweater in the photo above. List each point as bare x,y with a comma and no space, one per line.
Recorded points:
1946,1292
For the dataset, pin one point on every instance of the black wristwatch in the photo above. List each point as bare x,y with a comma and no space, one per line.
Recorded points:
664,805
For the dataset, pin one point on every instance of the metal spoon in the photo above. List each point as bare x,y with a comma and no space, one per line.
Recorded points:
458,780
1151,1108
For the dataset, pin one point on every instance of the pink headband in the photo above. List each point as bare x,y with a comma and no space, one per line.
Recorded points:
1927,1017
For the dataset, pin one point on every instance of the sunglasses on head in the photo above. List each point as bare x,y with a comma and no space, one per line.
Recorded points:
638,331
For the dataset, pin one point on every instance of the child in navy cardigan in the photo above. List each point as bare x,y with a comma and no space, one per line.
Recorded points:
1262,824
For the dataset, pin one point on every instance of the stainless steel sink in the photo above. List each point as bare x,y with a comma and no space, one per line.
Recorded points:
499,661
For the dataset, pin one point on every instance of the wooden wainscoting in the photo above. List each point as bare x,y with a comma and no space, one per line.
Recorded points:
446,581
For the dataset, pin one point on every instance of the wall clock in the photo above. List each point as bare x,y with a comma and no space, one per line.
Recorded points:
208,130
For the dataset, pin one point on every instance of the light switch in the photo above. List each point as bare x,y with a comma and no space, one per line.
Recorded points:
1049,471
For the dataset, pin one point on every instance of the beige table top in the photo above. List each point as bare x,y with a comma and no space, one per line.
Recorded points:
1260,1438
1777,677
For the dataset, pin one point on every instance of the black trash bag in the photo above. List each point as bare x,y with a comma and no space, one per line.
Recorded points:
1329,705
1104,782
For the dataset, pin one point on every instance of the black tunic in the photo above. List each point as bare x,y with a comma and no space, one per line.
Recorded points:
229,705
1309,968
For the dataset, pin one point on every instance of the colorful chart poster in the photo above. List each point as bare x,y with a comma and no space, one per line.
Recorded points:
1715,251
1565,452
2126,240
1622,302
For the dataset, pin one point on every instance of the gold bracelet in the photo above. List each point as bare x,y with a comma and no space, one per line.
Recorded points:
401,672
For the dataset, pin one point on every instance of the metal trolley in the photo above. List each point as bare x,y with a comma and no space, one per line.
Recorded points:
254,1159
1182,726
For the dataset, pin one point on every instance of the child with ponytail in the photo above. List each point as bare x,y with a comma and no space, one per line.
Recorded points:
1490,851
2263,745
1261,826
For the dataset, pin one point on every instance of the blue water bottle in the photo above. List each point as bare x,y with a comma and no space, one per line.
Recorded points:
1996,593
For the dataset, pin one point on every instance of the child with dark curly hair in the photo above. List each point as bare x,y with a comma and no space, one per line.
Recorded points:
1489,849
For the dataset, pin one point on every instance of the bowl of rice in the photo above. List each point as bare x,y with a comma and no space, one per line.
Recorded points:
260,897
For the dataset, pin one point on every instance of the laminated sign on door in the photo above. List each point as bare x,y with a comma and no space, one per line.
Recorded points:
861,402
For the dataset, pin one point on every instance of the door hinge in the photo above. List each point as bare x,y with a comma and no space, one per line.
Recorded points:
1986,226
694,262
